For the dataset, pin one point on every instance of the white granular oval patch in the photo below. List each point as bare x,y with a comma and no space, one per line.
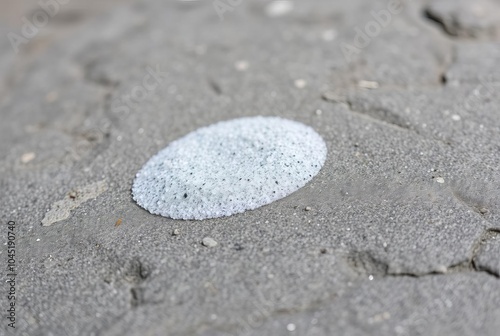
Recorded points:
229,167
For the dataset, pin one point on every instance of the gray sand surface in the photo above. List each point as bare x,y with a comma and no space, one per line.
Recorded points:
402,229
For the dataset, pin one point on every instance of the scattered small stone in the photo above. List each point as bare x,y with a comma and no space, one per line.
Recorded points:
208,242
300,83
308,208
368,84
279,8
483,211
72,194
176,232
319,112
27,157
291,327
241,65
440,180
456,117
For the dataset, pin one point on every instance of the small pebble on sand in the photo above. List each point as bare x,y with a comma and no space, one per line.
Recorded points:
27,157
279,8
208,242
440,180
241,65
300,83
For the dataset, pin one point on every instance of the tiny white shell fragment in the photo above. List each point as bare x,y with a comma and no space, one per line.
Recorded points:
27,157
368,84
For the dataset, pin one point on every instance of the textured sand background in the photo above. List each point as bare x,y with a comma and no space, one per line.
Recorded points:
399,234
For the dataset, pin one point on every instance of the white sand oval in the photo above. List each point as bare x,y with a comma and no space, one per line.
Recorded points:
229,167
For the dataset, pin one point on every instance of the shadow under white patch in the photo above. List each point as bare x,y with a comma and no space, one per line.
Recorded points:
229,167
